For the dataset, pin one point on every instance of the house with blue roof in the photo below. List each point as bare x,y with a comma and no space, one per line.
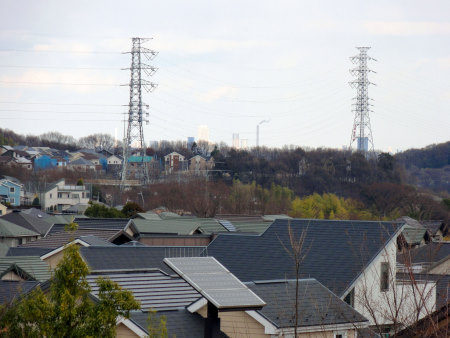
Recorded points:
10,191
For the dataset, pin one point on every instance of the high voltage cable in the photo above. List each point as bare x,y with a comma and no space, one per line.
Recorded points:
61,83
57,67
58,51
65,104
56,112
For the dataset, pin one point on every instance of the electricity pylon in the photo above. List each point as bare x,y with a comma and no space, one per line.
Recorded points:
134,141
362,130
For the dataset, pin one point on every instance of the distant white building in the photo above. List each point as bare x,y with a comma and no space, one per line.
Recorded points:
244,144
235,141
203,133
59,196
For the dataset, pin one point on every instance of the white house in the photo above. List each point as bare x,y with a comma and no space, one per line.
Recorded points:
59,196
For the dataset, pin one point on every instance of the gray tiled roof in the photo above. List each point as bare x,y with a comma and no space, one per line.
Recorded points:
153,289
329,246
11,230
27,221
27,251
55,240
134,257
11,290
32,265
95,223
316,304
430,253
95,241
180,323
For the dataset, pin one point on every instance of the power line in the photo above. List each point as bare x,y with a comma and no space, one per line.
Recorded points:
56,112
64,104
60,83
60,67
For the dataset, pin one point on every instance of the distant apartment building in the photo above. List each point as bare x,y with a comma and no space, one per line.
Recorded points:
59,196
203,133
175,162
235,141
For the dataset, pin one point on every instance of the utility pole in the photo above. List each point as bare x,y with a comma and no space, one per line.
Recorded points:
257,130
136,114
362,131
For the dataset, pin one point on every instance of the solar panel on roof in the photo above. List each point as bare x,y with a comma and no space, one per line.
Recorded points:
227,224
218,285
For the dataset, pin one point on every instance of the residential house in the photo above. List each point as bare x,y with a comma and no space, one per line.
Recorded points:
135,164
354,259
60,196
81,164
28,221
12,234
199,165
175,162
114,164
10,191
437,229
266,308
177,231
3,209
433,258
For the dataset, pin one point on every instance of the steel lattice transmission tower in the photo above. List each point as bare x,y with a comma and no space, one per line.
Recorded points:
134,139
362,131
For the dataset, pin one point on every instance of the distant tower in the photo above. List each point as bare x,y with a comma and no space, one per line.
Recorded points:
135,133
257,130
362,131
235,141
244,144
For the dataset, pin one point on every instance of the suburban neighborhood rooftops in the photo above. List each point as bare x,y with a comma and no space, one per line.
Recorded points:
329,247
430,253
317,306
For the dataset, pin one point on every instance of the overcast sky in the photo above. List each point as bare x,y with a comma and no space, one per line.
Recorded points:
229,65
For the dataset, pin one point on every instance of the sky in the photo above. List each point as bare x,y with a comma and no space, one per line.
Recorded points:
229,65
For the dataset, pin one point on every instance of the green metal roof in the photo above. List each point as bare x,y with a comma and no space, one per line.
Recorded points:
271,218
166,226
179,225
139,159
8,229
32,265
148,215
251,226
413,235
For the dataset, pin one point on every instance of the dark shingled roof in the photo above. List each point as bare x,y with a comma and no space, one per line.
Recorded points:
180,323
27,221
336,252
153,289
430,253
55,240
134,257
317,304
11,290
95,223
27,251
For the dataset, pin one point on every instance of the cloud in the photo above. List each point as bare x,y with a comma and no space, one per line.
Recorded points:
407,28
77,80
217,93
170,43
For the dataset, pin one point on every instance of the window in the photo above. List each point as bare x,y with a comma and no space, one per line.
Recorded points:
12,189
12,200
50,195
384,276
340,334
350,298
59,195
